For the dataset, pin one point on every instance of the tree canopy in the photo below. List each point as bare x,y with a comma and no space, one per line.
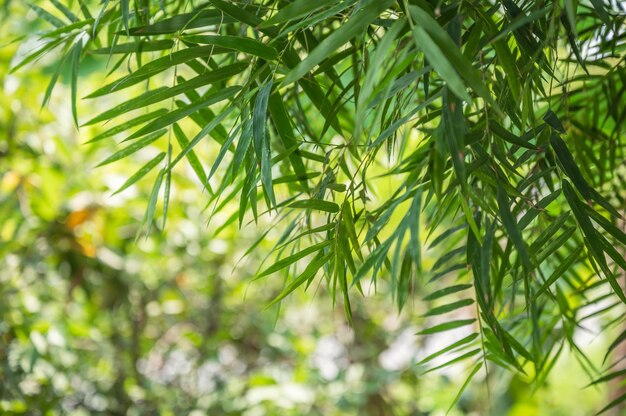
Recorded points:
498,125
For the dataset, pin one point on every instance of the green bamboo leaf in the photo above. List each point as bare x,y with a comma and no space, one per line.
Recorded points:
154,196
294,178
455,360
484,290
549,232
282,123
448,233
163,93
608,377
141,172
176,115
393,127
321,228
66,12
573,171
168,186
135,47
448,348
600,8
559,271
66,29
449,307
443,260
348,220
193,160
125,7
556,244
508,136
316,204
595,242
341,258
471,375
569,23
312,20
308,273
152,68
245,45
75,55
539,207
226,147
452,55
241,149
511,226
38,53
404,280
53,80
606,224
46,15
414,228
84,9
287,261
295,10
201,135
612,404
447,291
569,166
440,63
238,13
616,342
446,326
184,21
518,347
520,22
375,70
124,127
128,150
262,139
101,14
347,31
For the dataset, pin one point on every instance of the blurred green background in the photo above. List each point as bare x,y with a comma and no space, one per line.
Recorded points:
93,321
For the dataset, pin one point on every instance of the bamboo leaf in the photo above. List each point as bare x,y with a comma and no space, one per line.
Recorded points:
447,291
183,21
512,228
154,196
75,55
559,271
455,61
451,347
125,7
356,25
135,47
192,158
446,326
130,149
262,139
316,204
245,45
449,307
471,375
176,115
308,273
152,68
124,127
141,172
295,10
287,261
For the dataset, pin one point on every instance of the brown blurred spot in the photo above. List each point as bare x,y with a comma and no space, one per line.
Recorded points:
78,217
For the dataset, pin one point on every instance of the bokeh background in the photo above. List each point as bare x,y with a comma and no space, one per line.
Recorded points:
96,321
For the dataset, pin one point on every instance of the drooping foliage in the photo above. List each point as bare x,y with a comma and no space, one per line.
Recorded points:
499,124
